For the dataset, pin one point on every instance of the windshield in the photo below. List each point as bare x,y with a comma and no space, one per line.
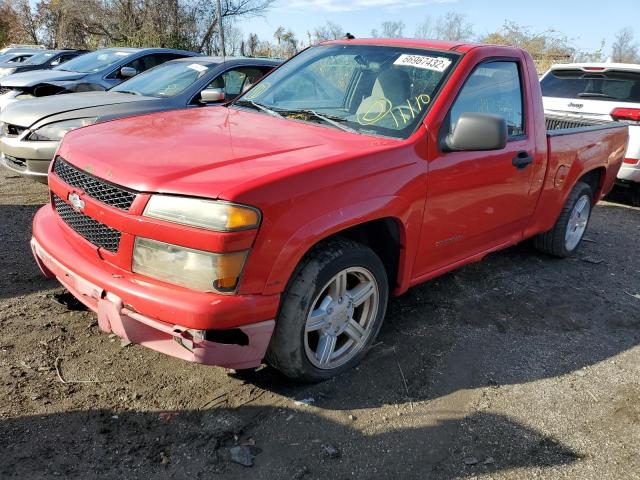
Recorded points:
616,86
14,57
94,62
166,80
359,88
39,58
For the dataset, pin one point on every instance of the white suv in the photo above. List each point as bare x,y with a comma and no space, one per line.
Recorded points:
599,92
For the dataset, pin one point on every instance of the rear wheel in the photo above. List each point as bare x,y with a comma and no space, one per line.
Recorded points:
565,236
331,312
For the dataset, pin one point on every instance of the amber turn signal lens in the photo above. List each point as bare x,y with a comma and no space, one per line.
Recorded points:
239,217
229,269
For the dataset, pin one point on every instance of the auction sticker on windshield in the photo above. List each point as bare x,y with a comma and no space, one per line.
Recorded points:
197,67
437,64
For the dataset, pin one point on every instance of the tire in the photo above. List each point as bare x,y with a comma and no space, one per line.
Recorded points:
635,194
555,242
301,341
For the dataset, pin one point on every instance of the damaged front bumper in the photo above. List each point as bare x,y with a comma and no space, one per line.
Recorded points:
186,343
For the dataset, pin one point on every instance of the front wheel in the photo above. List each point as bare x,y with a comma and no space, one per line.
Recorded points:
331,311
565,236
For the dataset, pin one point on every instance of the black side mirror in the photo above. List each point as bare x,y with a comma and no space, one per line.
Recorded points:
477,131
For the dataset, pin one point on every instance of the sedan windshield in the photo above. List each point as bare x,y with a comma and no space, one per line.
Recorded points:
357,88
39,58
95,61
166,80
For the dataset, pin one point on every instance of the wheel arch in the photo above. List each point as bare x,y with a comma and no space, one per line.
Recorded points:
595,179
386,232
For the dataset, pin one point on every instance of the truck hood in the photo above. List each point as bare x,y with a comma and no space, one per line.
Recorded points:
205,151
31,79
27,112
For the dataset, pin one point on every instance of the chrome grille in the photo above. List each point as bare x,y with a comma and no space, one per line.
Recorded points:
94,187
92,230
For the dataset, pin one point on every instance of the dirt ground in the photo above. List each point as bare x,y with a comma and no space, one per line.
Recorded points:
521,366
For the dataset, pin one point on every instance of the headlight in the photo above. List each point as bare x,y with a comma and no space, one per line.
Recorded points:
54,132
4,130
197,212
195,269
6,71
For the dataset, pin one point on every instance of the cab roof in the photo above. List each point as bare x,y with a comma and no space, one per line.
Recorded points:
460,47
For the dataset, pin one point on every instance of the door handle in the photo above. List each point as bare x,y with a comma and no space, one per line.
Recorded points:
522,160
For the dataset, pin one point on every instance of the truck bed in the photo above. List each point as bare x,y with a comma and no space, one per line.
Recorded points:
573,149
562,122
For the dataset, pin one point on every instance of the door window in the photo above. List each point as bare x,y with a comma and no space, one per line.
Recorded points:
493,88
146,62
237,80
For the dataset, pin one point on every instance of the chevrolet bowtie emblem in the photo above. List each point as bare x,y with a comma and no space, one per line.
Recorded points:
76,201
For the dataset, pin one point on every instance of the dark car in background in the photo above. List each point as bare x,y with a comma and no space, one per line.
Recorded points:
39,60
99,70
32,129
17,46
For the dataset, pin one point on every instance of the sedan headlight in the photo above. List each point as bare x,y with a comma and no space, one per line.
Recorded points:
54,132
195,269
197,212
6,71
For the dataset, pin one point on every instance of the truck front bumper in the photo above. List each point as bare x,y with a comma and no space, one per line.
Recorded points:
114,298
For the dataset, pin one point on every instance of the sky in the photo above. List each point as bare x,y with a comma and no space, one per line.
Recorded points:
585,22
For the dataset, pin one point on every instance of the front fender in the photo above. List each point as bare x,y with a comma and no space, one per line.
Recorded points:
407,215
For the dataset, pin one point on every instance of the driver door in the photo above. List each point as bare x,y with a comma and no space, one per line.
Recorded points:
479,200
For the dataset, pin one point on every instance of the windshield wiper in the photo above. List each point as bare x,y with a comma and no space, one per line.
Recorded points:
258,106
330,119
130,92
594,94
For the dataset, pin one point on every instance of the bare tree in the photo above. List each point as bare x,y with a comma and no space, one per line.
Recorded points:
425,29
328,31
389,30
546,48
595,56
8,23
624,48
252,44
232,8
232,39
27,22
454,27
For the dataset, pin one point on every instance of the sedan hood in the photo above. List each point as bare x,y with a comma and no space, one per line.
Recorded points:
9,65
207,151
31,79
28,112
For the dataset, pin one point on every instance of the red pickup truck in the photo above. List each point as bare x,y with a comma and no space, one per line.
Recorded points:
276,227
